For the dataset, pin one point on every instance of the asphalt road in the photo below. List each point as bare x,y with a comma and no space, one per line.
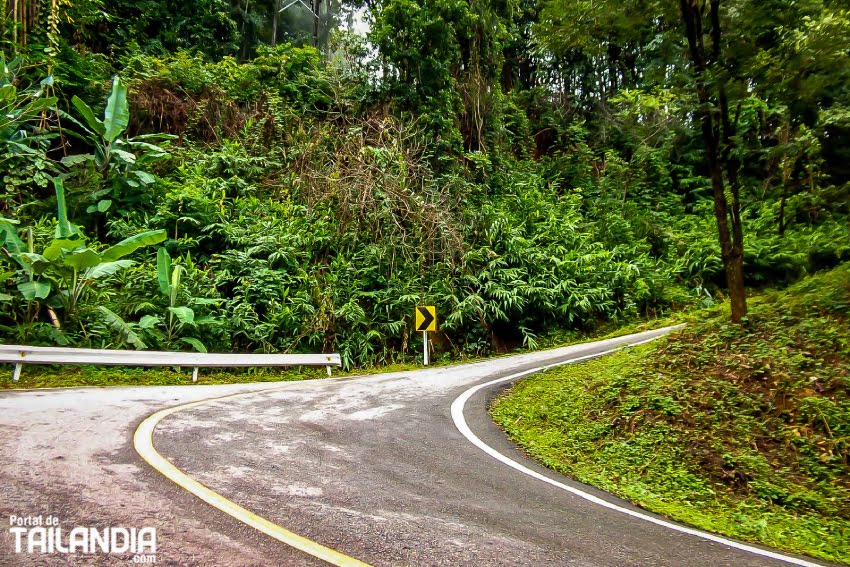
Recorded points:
372,466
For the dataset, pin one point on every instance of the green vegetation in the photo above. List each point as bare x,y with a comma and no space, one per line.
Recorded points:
742,430
58,376
77,376
534,179
214,175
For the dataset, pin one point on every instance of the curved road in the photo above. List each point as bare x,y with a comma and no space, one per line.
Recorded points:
373,467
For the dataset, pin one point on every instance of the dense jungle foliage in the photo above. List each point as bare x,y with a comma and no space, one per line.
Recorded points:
196,175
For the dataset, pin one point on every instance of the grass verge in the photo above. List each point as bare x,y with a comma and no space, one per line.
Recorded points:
58,376
741,430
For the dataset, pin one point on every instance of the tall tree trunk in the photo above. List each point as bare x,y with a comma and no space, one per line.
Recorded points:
244,32
15,22
26,14
782,210
275,18
316,9
737,292
786,163
717,128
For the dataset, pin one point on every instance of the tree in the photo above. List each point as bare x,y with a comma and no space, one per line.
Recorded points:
718,132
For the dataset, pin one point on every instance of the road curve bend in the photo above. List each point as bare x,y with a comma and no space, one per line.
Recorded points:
399,469
377,469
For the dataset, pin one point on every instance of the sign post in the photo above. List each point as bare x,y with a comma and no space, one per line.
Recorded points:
425,343
426,320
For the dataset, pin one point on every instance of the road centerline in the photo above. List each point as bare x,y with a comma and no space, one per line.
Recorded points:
143,443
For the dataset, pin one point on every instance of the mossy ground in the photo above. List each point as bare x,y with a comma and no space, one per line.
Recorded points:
742,430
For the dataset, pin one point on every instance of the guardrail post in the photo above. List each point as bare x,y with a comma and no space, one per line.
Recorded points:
329,370
195,374
17,373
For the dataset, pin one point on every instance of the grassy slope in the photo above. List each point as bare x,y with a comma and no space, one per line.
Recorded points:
740,430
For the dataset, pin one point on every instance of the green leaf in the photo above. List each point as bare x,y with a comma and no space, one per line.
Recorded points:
106,269
145,177
22,149
163,271
156,137
11,242
150,149
64,228
184,314
207,320
8,93
130,245
82,259
32,262
176,274
149,321
117,114
118,324
34,290
71,161
103,206
57,245
194,343
88,115
126,156
18,117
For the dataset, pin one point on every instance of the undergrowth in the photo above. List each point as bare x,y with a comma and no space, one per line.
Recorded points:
58,376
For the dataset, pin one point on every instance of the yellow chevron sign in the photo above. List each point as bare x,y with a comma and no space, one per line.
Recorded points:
426,318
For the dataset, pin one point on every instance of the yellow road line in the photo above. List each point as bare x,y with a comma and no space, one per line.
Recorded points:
143,441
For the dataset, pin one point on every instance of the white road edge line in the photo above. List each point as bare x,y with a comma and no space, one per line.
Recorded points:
460,423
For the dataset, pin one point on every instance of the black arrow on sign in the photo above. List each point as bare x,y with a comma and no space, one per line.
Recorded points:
427,319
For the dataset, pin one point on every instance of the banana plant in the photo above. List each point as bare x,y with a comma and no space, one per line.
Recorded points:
120,159
179,317
67,268
18,112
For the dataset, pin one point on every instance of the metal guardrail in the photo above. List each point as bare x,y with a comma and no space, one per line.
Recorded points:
20,355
